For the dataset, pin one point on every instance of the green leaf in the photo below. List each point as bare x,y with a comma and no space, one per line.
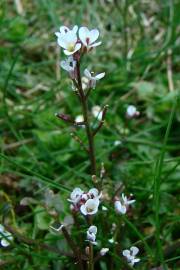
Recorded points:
42,218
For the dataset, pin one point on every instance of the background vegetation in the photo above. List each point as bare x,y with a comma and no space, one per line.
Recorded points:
141,59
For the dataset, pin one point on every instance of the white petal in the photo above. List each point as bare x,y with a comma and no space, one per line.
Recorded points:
67,40
96,111
84,34
83,210
79,118
126,253
123,209
134,250
64,29
103,251
91,237
124,198
93,35
131,110
104,208
76,195
77,47
64,65
100,76
71,37
130,202
92,229
77,191
84,196
95,44
94,192
75,29
66,52
87,73
92,203
91,206
1,228
5,243
57,34
111,240
136,260
118,206
62,41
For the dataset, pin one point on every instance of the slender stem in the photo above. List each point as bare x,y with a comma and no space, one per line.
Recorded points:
77,139
86,121
73,246
91,255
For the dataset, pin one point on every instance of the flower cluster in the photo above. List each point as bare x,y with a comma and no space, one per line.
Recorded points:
75,43
122,205
131,255
86,202
5,237
72,40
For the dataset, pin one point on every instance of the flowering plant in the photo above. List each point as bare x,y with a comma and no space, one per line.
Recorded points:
76,43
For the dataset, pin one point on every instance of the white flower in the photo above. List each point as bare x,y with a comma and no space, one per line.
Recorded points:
116,143
93,79
94,193
104,208
65,29
69,42
131,111
103,251
80,119
88,37
5,237
96,111
130,255
90,207
122,206
69,65
85,83
91,234
111,241
75,196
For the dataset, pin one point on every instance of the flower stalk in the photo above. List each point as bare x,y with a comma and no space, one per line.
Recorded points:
91,257
86,121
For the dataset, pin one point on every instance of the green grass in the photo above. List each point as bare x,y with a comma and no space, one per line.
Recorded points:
140,56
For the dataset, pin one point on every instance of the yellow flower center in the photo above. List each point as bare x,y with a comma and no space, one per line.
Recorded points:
89,209
70,47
